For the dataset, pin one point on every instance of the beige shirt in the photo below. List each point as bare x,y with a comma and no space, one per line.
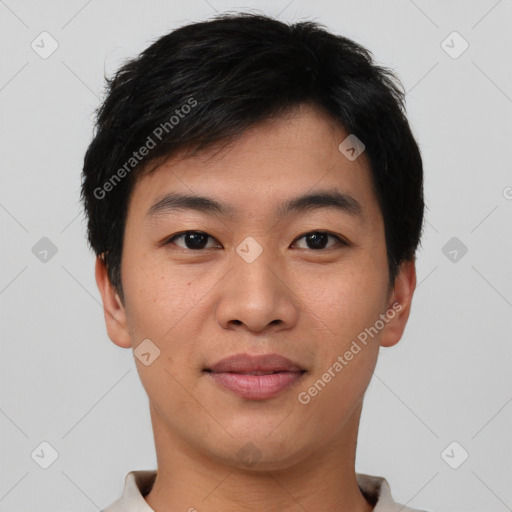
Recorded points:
139,483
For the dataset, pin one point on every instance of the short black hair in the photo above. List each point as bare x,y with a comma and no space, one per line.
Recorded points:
207,82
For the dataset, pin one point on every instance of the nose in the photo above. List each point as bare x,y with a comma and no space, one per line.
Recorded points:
258,296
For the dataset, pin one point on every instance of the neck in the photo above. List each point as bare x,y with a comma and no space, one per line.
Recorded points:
189,480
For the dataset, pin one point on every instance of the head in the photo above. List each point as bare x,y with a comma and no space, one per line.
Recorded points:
248,114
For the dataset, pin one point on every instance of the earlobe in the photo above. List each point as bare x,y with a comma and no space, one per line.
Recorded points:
113,309
399,306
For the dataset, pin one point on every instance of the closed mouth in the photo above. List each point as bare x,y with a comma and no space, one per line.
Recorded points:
270,372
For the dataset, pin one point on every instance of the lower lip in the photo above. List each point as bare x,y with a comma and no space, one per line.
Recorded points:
257,387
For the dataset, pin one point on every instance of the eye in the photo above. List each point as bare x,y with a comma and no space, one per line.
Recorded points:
198,240
318,239
194,240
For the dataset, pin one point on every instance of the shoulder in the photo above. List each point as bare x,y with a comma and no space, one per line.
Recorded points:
137,484
377,491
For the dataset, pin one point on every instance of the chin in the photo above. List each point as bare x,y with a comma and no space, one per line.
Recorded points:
261,453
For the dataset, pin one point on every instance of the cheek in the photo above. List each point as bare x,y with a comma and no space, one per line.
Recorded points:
155,297
347,300
345,354
165,307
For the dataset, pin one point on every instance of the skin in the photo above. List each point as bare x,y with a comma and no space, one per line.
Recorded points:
305,303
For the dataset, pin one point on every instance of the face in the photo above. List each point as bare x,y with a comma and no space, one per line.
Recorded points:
248,277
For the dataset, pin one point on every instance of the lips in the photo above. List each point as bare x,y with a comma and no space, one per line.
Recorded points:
256,377
255,365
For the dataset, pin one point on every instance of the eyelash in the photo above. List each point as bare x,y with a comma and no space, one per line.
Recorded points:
340,240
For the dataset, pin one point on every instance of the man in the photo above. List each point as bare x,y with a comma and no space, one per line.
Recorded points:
255,199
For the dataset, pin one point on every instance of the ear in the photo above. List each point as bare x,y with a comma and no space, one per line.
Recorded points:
114,311
399,304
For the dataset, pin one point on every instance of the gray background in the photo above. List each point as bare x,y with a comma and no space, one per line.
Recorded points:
449,379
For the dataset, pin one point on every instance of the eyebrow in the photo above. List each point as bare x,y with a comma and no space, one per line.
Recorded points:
173,202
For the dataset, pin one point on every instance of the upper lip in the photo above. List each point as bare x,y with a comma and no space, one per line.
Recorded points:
240,363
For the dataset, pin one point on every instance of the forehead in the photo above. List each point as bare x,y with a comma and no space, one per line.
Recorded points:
264,170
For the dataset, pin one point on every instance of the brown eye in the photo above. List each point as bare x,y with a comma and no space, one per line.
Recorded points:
193,240
317,240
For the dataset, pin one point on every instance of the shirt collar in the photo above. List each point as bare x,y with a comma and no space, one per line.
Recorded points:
139,483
